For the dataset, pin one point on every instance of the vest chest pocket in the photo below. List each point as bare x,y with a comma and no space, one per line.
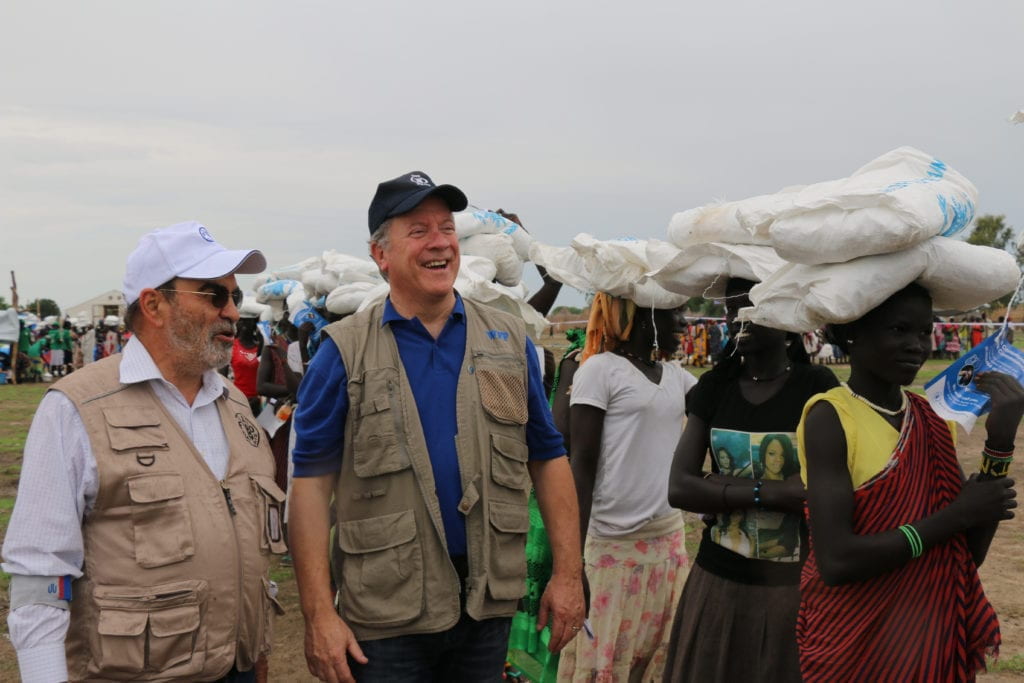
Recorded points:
270,500
381,570
377,426
506,573
161,524
508,462
502,388
150,630
131,428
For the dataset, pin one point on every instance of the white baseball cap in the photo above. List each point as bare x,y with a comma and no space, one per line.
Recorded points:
185,250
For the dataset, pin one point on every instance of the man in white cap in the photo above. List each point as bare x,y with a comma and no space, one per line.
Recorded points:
147,511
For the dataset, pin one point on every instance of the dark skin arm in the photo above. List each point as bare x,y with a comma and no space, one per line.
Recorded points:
264,377
689,489
844,556
587,427
545,297
305,329
560,406
1001,427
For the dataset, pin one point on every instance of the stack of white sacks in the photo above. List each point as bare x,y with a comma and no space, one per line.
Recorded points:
852,243
493,251
619,267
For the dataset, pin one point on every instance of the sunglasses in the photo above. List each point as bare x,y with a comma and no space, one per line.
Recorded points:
219,294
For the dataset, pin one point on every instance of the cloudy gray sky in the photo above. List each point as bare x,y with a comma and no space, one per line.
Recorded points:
272,122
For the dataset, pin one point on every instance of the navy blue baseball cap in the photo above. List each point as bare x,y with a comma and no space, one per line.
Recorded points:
404,193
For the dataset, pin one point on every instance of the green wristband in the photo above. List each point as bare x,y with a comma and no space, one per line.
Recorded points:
914,540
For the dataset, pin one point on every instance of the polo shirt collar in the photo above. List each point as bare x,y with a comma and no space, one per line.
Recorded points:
391,315
138,366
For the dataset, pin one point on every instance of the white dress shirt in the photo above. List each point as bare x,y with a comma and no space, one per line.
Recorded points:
58,488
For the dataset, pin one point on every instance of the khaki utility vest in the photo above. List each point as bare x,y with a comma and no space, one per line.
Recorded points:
396,577
174,583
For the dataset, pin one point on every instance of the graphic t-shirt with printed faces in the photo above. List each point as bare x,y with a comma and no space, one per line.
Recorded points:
758,442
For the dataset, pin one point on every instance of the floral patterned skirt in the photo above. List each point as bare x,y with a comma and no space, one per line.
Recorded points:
635,585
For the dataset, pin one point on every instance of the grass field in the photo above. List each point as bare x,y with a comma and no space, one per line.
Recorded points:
1001,573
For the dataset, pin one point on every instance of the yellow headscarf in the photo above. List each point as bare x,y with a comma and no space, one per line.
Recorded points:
611,322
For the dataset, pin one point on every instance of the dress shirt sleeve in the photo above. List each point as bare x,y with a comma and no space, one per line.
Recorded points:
542,439
57,489
319,420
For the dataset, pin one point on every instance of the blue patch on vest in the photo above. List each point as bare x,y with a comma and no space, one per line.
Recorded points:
497,334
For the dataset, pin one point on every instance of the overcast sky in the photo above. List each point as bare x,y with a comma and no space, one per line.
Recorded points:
272,122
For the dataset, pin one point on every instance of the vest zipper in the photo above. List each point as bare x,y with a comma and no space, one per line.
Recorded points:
227,498
239,564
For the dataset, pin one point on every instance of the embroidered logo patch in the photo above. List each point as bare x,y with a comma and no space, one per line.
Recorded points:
205,234
497,334
250,431
419,180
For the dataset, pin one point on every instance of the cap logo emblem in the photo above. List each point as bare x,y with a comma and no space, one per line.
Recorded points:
419,180
205,234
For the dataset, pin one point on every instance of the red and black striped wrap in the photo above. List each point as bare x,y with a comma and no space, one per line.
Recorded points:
927,621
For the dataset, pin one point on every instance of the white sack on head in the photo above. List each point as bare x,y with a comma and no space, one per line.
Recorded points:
318,282
720,222
497,247
350,268
377,293
469,223
962,276
250,308
618,267
274,293
900,199
703,270
346,299
296,302
277,290
477,267
562,263
295,271
472,286
802,297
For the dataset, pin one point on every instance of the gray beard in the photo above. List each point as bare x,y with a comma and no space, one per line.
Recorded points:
196,347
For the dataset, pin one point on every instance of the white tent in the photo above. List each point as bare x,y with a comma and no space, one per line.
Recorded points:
8,325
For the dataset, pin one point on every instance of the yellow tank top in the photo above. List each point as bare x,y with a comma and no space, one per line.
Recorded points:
870,439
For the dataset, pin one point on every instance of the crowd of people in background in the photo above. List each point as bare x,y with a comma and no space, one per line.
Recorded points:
47,351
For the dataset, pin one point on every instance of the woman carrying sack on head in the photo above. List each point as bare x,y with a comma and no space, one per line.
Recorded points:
890,590
627,412
737,615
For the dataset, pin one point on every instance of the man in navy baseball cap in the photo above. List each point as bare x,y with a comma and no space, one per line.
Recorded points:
423,418
404,193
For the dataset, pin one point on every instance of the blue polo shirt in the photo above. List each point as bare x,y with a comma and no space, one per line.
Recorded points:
433,367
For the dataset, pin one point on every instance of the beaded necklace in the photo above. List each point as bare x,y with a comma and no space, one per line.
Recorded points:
883,411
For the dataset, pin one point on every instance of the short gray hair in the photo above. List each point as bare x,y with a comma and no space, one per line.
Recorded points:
380,238
380,235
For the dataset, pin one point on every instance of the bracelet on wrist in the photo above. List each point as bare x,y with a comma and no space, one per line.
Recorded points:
995,466
913,540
